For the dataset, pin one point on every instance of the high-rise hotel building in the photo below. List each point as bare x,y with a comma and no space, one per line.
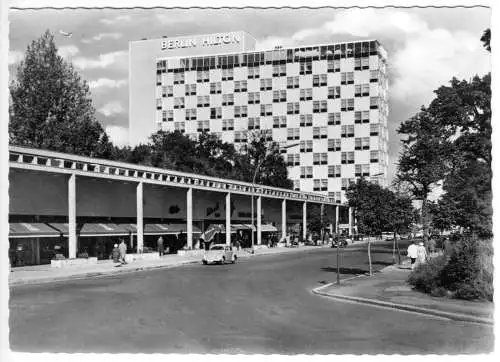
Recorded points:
329,100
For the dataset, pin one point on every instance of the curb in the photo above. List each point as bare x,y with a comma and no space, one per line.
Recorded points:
407,308
98,274
121,271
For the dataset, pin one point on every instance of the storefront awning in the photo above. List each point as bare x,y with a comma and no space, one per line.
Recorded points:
166,229
99,229
93,229
242,227
31,230
268,228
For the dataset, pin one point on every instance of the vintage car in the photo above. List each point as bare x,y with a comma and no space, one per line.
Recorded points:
219,253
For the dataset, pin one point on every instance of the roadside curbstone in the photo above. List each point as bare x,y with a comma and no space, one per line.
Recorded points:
405,307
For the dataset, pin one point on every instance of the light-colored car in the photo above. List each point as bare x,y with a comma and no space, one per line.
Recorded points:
388,235
219,253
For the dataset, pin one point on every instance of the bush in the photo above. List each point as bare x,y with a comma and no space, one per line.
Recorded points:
425,277
469,272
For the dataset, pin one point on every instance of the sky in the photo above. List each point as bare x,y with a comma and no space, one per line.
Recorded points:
426,46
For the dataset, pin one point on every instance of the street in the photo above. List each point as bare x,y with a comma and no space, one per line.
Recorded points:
259,305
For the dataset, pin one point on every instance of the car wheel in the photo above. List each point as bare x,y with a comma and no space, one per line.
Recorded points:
204,262
223,260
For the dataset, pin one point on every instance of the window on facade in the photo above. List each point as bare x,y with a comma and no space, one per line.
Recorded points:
323,131
202,76
180,126
228,99
306,120
253,123
365,116
203,126
191,114
266,109
324,184
216,88
228,125
350,77
316,185
374,156
228,74
316,132
374,75
178,102
357,144
365,90
357,90
334,171
373,102
365,168
164,116
179,78
374,129
190,89
365,63
345,184
305,68
240,86
350,104
357,117
334,144
215,112
253,72
158,103
296,185
330,66
357,170
276,96
293,108
254,98
324,158
292,82
333,118
203,101
293,133
266,84
316,158
316,80
306,94
333,92
343,105
365,143
158,79
347,131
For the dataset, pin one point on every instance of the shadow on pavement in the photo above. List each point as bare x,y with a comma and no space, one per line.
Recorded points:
354,271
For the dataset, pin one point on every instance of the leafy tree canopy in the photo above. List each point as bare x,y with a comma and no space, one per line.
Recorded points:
50,104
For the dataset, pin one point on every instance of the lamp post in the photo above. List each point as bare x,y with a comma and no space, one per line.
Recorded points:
253,187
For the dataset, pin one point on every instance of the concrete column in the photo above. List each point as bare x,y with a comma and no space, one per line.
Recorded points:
228,218
140,217
37,251
189,212
350,221
72,241
337,212
304,220
283,219
259,220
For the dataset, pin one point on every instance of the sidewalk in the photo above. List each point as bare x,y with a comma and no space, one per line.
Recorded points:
39,274
388,288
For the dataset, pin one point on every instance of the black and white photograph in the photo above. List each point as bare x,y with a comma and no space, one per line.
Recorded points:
247,179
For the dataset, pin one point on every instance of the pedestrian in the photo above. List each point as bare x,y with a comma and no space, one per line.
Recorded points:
432,245
421,254
412,253
160,246
115,254
123,251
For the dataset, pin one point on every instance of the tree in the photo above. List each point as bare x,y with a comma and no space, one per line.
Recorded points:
50,104
423,160
486,39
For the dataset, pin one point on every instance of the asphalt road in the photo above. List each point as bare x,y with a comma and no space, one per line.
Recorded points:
259,305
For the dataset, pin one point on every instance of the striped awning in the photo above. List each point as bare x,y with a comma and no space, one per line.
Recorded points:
166,229
32,230
93,229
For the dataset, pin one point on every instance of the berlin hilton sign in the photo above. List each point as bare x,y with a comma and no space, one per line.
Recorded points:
218,39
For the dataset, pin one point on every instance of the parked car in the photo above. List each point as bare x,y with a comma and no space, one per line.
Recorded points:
219,253
339,241
388,235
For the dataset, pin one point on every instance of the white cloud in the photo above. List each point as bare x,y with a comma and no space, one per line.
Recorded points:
107,83
116,19
118,135
103,61
111,108
68,51
101,36
15,57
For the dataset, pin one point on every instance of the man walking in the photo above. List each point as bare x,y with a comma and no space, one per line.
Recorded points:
123,251
160,245
412,253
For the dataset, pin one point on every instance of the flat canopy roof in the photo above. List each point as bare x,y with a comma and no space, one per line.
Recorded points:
31,230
